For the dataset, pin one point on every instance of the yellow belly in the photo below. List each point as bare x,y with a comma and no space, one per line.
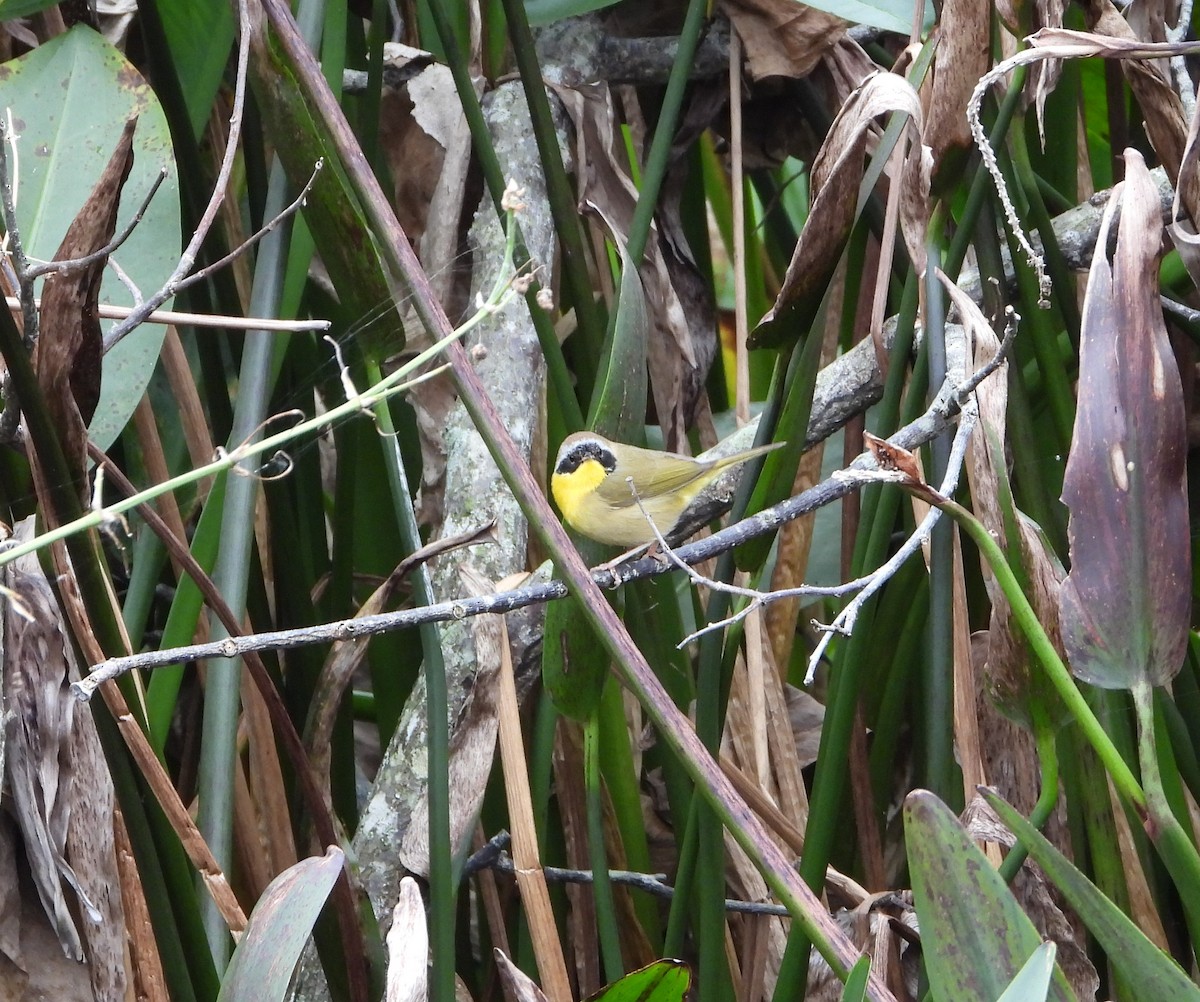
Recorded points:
625,525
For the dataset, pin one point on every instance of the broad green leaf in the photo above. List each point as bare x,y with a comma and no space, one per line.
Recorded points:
200,68
890,15
280,925
662,981
855,988
1032,983
1143,965
1126,604
69,100
975,936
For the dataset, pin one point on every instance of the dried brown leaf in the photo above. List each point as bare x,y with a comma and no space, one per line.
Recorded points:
682,336
91,848
408,947
836,175
1183,228
518,986
10,891
69,348
40,715
55,770
782,38
963,56
1160,104
807,718
1011,675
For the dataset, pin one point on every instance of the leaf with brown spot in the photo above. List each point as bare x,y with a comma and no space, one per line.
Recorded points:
69,347
1126,603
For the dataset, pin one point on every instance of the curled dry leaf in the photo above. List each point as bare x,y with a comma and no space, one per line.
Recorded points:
782,38
408,947
1043,76
1162,109
893,458
1183,228
1126,604
68,350
518,986
836,175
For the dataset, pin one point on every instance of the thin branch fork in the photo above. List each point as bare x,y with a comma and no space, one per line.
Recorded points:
33,271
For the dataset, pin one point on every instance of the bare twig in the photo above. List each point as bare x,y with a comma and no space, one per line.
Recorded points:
843,624
492,856
651,883
33,271
757,598
199,319
950,397
291,210
12,235
188,258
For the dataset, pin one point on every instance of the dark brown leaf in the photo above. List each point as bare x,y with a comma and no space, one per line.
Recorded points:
1126,603
69,347
962,58
782,37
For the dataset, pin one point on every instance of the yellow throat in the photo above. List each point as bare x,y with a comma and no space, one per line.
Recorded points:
572,489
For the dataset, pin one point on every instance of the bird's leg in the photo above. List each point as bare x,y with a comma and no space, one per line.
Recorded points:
642,549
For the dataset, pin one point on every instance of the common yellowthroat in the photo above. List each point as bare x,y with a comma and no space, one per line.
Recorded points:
591,485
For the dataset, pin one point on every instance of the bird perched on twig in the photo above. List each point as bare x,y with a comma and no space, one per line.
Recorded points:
597,485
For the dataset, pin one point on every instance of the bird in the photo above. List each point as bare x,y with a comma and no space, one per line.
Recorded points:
597,485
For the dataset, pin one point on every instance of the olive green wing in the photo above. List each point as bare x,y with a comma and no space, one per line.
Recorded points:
662,474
